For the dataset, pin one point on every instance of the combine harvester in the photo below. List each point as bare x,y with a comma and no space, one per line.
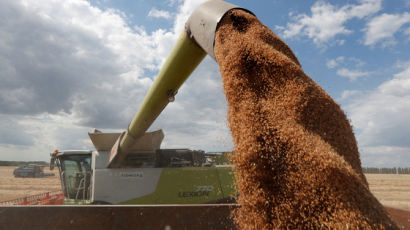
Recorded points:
172,187
148,175
31,170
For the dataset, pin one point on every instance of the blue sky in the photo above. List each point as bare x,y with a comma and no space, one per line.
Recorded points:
68,67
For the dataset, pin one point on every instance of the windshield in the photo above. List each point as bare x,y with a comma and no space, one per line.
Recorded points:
76,176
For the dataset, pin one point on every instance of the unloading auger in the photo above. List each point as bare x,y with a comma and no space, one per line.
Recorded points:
193,44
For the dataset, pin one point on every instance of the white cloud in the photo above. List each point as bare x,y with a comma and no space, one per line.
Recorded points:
385,156
155,13
407,32
56,54
174,2
13,132
332,63
382,28
341,42
68,67
185,10
347,94
357,62
327,21
45,133
344,62
381,120
352,74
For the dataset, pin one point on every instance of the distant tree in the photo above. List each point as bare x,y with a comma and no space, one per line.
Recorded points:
19,163
372,170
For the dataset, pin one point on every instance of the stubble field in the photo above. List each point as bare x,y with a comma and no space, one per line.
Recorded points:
390,190
12,188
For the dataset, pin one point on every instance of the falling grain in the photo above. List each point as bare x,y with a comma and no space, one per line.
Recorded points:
296,158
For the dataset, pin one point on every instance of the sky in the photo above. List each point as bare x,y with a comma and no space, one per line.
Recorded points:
67,67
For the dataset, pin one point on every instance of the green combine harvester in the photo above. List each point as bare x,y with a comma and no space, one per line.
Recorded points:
149,175
130,167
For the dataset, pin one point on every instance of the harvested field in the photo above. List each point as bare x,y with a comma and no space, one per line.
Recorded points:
12,188
390,189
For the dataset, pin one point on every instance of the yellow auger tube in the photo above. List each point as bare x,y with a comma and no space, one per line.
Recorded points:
184,58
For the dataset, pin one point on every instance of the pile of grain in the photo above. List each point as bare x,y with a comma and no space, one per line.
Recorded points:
296,158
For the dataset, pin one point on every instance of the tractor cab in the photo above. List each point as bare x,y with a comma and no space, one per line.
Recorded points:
75,174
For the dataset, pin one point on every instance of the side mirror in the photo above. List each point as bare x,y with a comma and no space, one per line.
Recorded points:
52,163
53,156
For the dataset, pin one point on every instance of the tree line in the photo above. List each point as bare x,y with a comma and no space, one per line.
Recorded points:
19,163
386,170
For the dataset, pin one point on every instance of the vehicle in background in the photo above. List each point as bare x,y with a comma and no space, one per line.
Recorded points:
31,170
